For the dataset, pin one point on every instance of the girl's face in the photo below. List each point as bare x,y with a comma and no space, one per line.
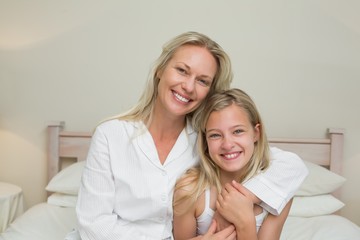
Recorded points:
186,80
231,138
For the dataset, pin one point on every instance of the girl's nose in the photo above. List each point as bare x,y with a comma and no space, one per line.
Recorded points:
227,143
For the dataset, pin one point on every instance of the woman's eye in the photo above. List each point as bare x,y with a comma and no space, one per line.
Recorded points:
181,70
204,82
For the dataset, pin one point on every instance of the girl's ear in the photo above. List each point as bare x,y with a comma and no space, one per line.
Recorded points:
257,132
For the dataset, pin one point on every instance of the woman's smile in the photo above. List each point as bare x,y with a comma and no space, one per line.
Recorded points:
180,97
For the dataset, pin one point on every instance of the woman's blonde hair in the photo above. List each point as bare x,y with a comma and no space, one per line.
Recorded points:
222,79
208,173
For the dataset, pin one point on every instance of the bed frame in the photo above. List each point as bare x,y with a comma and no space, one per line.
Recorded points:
327,152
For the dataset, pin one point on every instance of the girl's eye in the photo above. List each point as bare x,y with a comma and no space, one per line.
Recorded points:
214,135
238,131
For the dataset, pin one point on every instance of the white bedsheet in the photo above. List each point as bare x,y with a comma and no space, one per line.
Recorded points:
42,222
327,227
49,222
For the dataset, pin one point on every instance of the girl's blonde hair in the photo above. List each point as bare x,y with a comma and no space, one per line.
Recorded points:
222,80
208,173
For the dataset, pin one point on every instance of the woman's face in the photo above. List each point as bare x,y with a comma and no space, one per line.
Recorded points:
186,80
231,138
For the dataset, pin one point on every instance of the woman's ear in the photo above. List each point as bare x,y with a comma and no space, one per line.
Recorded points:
158,74
257,132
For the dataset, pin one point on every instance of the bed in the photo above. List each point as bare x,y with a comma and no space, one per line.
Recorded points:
314,213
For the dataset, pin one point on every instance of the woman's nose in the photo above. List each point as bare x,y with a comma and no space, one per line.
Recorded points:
188,84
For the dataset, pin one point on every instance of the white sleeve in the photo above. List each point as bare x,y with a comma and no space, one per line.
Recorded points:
278,184
96,199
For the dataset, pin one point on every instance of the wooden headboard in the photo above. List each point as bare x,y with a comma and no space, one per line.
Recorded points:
327,152
64,144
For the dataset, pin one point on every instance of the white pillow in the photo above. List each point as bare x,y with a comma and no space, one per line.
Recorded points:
311,206
62,200
319,181
67,181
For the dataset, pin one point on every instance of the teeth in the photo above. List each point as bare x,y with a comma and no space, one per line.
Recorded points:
232,155
181,98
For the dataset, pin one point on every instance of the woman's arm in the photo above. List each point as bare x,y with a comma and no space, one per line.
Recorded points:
96,200
278,184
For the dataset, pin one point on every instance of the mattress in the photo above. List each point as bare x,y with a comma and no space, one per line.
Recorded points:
42,222
49,222
329,227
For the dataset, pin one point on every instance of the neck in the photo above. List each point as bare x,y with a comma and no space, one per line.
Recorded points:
164,125
165,129
227,177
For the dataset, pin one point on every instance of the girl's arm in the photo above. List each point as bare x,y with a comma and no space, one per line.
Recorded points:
272,225
234,198
184,222
236,206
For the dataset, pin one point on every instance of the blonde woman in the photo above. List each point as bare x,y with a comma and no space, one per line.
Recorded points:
135,158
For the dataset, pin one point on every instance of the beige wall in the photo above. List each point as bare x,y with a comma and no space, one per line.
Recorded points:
82,61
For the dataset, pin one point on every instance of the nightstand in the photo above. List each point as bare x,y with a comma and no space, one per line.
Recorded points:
11,204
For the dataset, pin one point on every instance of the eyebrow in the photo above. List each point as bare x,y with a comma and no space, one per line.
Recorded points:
202,76
232,127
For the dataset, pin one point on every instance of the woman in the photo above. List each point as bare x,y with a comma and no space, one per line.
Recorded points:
135,158
233,148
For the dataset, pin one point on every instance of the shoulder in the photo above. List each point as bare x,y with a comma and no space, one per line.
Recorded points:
116,126
188,195
288,161
187,182
279,153
186,187
114,131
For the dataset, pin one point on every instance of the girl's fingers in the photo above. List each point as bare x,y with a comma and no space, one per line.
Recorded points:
212,228
239,187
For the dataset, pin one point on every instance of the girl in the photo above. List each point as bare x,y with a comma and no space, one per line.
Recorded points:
233,149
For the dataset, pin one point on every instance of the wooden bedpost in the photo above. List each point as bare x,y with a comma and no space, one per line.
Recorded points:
337,149
336,153
53,131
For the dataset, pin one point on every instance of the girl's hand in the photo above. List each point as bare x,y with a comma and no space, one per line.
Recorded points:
246,192
221,222
228,233
235,204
